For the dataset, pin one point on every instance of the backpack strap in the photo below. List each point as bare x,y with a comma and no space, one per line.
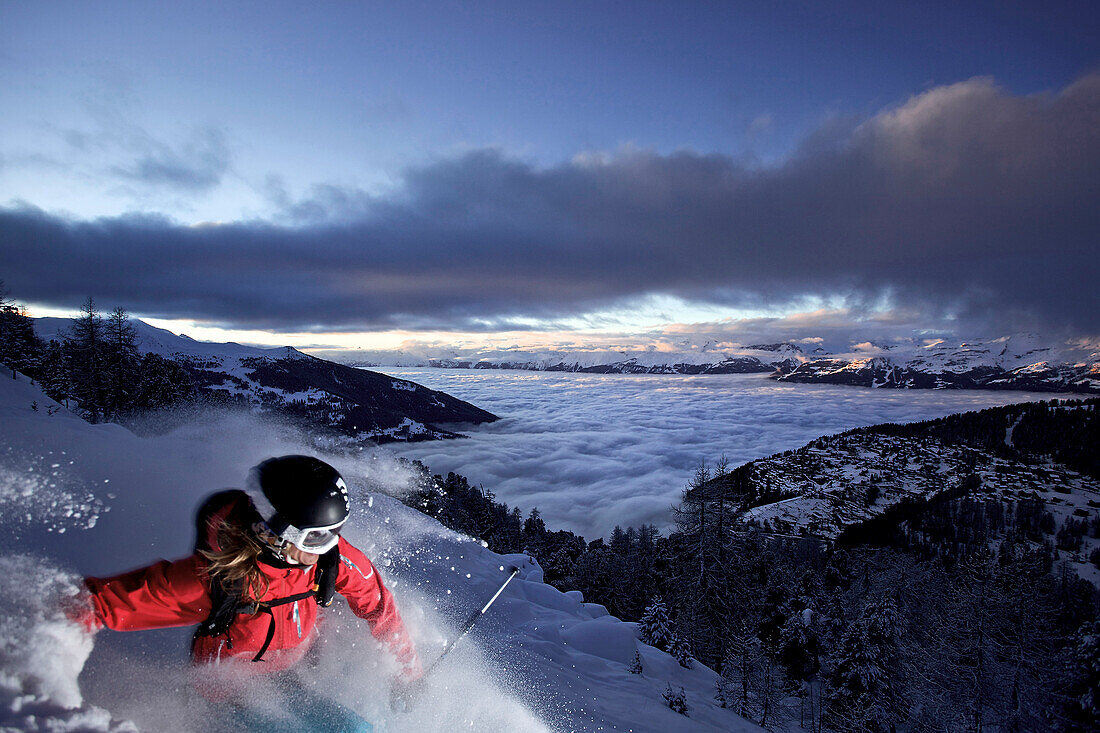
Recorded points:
328,567
265,607
323,591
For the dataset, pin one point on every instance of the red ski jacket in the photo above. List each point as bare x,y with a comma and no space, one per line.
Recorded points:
167,594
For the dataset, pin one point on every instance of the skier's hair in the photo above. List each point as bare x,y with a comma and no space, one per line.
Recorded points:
236,561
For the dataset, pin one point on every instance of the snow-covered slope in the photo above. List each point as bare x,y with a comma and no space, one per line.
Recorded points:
826,484
838,482
355,403
79,499
163,342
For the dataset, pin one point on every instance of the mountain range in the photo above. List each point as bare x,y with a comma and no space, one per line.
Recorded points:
1017,362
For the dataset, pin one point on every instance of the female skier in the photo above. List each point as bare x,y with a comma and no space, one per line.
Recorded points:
264,561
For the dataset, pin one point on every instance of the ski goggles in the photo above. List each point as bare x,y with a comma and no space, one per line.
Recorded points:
314,540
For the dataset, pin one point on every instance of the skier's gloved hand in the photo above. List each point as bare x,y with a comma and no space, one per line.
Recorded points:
79,610
403,695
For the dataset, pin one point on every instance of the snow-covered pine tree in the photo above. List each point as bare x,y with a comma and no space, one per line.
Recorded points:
162,383
723,693
1084,707
85,347
741,668
121,362
54,373
679,651
799,649
534,528
862,693
20,347
703,559
636,665
655,626
676,700
644,580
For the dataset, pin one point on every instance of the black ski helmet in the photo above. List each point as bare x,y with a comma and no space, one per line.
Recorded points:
300,498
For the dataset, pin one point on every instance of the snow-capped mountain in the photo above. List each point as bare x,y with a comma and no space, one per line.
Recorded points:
704,359
1018,362
355,403
79,498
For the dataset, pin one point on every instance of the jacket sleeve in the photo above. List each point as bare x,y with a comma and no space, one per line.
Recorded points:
358,581
159,596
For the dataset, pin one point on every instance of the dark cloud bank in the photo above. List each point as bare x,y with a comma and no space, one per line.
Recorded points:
966,201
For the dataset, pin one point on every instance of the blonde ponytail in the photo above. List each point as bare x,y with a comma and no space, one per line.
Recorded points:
236,561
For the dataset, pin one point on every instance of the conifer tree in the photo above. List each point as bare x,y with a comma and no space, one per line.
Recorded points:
679,651
723,693
704,571
534,527
54,373
863,694
85,346
655,626
121,362
1084,706
742,666
799,650
676,700
20,348
162,383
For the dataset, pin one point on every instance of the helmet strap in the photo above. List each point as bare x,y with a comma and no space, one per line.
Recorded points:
275,544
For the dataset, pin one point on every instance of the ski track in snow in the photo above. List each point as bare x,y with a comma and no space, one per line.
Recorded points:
540,660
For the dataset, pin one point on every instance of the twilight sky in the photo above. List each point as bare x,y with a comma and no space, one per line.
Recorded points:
367,174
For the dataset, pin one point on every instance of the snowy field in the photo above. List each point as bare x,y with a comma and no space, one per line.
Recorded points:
594,450
79,499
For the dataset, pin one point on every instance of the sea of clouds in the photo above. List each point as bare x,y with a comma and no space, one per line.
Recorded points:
592,451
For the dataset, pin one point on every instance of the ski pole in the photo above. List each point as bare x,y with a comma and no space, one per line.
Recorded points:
402,697
471,621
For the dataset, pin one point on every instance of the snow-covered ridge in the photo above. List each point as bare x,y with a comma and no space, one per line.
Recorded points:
352,404
707,358
826,486
838,482
540,660
165,343
1020,362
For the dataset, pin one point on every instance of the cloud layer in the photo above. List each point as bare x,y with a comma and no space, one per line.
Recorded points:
593,451
965,202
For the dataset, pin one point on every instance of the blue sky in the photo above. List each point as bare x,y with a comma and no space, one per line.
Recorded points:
305,118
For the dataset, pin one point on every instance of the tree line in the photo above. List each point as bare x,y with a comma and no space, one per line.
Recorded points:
964,615
95,368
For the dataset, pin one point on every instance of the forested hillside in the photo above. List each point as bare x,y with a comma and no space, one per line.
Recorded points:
114,369
95,368
1065,432
956,605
